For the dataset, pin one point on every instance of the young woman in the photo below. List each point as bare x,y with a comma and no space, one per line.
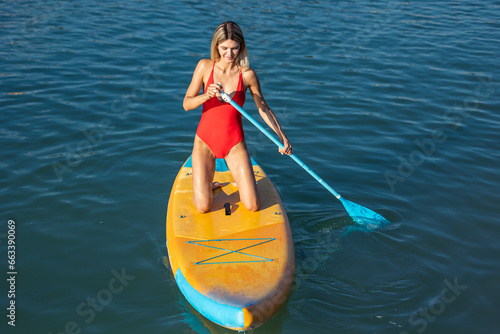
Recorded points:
220,132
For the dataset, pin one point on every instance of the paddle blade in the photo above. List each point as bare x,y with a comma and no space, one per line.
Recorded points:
363,216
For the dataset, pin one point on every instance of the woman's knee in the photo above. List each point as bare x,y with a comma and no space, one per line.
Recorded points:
252,205
202,206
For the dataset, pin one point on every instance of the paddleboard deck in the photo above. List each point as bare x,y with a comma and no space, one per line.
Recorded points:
235,267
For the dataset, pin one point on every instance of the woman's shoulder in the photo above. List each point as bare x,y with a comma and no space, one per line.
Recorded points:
203,69
249,75
205,64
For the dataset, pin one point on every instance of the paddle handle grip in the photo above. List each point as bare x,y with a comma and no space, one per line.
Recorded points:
227,98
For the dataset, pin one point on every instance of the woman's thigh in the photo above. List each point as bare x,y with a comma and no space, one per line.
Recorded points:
240,166
203,162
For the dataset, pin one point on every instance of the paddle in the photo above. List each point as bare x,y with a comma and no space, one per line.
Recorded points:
361,215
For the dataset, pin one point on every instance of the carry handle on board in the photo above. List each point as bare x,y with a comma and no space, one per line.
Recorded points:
361,215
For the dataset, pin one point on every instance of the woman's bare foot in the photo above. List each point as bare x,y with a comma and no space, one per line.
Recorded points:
216,185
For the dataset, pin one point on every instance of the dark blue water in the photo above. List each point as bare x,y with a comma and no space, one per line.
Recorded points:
395,104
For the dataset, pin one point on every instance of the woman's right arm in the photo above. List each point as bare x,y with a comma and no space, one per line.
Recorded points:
193,99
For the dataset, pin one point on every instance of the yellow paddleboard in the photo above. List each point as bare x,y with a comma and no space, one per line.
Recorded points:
235,267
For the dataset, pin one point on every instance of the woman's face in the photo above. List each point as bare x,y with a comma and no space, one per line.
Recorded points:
229,50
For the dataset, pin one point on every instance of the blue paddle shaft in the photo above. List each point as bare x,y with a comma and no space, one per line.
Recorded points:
227,98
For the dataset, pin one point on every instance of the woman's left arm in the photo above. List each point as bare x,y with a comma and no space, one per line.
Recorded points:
252,82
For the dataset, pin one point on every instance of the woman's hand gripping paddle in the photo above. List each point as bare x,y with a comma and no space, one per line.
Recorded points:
361,215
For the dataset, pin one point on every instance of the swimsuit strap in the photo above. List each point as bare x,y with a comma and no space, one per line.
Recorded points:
241,82
210,78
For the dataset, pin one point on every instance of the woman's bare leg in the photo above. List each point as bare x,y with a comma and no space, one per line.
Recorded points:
239,164
203,161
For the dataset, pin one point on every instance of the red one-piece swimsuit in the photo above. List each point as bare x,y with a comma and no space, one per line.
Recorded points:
220,124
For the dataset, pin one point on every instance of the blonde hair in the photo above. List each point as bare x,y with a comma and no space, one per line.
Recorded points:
230,30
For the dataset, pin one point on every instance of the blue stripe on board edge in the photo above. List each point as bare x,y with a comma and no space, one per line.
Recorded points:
220,164
225,315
